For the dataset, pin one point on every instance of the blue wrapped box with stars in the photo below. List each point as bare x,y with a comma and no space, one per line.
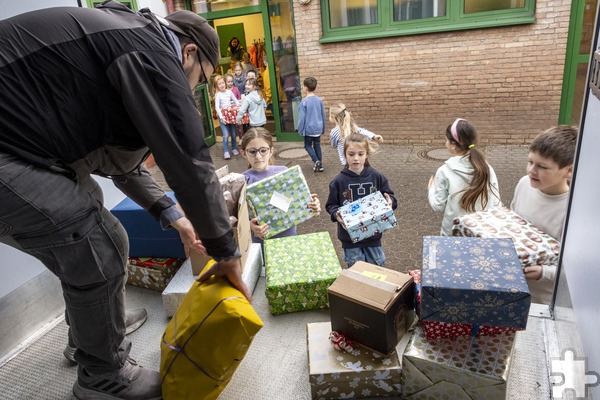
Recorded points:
470,280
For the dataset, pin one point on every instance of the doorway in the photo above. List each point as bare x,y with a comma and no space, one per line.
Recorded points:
579,43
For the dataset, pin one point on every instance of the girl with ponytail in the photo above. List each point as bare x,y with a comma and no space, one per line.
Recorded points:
466,182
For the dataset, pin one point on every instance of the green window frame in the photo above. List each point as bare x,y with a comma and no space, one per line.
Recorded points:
132,4
454,19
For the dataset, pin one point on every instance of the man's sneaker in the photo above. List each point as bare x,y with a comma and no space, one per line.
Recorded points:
226,155
131,382
133,320
235,152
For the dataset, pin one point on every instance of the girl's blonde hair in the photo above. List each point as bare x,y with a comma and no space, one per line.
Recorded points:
356,138
258,133
343,119
480,183
216,83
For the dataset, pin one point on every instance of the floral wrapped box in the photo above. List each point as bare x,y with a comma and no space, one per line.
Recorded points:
461,368
152,273
534,247
230,114
340,374
299,269
367,216
476,281
281,200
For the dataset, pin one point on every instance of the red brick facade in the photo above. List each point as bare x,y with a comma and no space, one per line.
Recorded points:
506,80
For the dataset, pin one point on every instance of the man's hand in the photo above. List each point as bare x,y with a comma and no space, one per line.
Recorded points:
188,236
232,270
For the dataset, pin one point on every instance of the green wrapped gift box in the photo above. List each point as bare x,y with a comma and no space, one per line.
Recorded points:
281,200
299,269
461,368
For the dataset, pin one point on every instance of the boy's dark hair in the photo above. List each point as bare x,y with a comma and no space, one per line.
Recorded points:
310,83
557,143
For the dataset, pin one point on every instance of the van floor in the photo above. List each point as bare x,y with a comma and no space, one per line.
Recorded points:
275,367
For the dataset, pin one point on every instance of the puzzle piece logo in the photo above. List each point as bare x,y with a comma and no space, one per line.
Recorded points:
569,374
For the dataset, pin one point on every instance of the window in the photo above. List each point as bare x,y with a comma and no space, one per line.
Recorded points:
129,3
345,20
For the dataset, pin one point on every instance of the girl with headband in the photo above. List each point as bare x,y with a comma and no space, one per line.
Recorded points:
466,182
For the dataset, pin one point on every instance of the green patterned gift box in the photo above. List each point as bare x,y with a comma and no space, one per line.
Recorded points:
299,269
462,368
280,201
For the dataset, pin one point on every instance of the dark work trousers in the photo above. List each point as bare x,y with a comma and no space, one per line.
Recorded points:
64,225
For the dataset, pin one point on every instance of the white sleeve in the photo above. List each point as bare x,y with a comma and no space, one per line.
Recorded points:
438,192
366,133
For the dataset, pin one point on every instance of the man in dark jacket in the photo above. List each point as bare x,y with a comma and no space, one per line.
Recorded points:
93,91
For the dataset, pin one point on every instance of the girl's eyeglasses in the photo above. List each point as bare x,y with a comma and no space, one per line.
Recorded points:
263,151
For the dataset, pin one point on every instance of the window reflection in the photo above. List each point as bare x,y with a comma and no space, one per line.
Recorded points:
405,10
475,6
219,5
343,13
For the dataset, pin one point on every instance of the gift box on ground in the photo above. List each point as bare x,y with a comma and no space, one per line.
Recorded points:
183,280
230,114
463,368
367,217
281,200
436,329
299,269
475,281
339,374
372,305
534,247
146,236
152,273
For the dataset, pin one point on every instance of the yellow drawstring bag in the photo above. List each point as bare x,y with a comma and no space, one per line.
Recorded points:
206,340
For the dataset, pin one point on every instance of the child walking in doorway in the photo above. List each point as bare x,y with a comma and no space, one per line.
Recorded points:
344,127
257,148
466,182
358,179
311,122
224,98
255,104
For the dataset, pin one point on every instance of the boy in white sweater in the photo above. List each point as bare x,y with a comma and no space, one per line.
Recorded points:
541,197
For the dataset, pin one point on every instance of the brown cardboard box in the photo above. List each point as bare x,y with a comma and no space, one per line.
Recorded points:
372,305
241,233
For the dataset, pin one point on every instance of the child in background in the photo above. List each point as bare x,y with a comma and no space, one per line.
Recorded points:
355,181
311,122
255,104
257,148
344,127
224,98
239,78
230,86
541,197
466,182
246,63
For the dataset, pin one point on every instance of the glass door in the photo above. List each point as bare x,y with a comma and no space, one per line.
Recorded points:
203,105
579,42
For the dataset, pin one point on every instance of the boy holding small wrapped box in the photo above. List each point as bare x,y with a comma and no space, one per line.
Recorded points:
541,197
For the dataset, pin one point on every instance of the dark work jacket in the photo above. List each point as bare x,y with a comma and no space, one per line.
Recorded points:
80,81
347,187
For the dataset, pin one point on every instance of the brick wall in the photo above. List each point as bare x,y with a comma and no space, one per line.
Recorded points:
506,80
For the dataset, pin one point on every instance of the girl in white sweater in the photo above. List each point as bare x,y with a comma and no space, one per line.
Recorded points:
224,99
466,182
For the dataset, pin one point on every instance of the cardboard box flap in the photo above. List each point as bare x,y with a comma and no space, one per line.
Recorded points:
382,273
370,292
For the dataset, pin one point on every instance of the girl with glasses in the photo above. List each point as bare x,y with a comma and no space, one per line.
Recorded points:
257,148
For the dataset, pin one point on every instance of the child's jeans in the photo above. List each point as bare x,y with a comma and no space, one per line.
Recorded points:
228,131
312,145
372,255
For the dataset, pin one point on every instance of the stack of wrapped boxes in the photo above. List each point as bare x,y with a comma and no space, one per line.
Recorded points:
471,298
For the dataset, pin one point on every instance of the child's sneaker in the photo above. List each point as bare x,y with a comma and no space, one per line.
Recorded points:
317,166
235,152
129,382
226,155
320,167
